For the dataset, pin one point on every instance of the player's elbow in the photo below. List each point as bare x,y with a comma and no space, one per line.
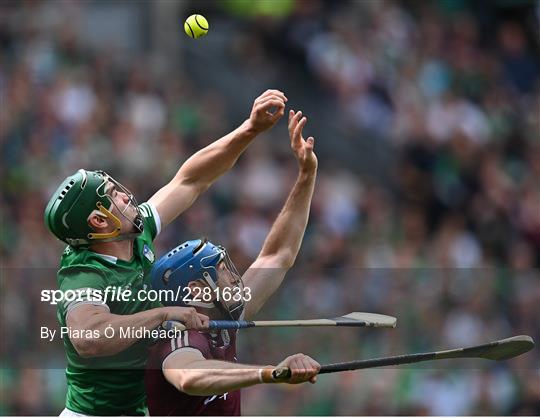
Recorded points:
287,260
191,387
189,382
85,347
94,347
196,184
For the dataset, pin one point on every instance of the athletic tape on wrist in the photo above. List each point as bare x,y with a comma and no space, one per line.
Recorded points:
265,375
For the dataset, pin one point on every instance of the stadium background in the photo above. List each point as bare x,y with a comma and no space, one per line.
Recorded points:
427,207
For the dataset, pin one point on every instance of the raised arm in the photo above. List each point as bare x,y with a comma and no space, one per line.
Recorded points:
282,244
205,166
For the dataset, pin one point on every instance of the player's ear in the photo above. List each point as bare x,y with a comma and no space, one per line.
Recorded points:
97,222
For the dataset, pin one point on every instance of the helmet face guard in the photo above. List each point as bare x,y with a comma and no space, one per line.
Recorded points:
219,280
104,191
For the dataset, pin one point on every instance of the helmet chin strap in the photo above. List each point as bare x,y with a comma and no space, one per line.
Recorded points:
125,236
116,235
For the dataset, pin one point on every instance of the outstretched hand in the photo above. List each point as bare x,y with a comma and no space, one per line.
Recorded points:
267,109
303,149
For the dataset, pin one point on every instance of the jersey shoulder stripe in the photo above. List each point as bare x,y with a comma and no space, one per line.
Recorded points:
182,340
149,212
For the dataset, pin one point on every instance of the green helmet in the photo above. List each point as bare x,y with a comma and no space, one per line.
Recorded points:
71,205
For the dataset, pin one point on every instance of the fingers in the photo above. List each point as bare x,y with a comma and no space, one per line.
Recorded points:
293,124
315,364
306,368
277,100
190,318
278,114
302,149
263,106
205,320
293,119
265,102
297,133
199,321
271,92
298,370
193,321
296,139
310,143
270,103
313,368
303,368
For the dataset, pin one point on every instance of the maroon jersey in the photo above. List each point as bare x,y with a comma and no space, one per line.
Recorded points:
165,399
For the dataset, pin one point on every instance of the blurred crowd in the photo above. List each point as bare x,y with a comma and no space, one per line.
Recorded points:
450,244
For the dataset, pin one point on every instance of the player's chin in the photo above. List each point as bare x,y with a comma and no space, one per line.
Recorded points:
133,215
129,228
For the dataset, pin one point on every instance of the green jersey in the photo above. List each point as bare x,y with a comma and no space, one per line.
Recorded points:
112,385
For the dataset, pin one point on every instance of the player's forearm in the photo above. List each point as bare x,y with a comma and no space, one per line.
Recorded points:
285,237
208,164
108,326
213,377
